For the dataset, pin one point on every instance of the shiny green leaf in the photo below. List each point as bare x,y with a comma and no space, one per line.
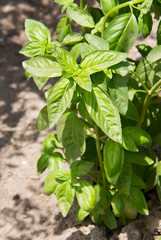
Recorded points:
70,132
109,220
72,38
122,32
63,28
113,159
79,168
80,16
59,98
145,24
97,42
139,158
104,113
50,183
42,121
85,195
42,67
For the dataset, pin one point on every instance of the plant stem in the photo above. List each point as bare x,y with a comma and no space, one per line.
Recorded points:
147,102
100,156
130,3
89,175
141,81
81,3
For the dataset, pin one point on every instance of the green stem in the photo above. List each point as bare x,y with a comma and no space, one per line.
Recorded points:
100,156
89,175
81,3
130,3
147,102
140,80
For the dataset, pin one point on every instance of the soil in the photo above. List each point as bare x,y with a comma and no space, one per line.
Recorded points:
26,213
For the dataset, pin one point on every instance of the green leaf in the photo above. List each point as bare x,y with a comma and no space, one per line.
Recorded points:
64,2
123,68
70,133
86,49
55,162
59,98
80,168
91,153
122,32
43,67
80,16
145,24
72,38
40,81
104,113
113,159
83,80
65,196
137,182
42,121
155,54
137,200
109,220
80,214
33,48
66,60
37,31
50,183
97,42
146,5
103,199
119,93
118,204
138,158
101,59
124,180
159,34
132,112
85,195
107,5
63,28
76,50
62,175
49,144
139,136
128,142
42,163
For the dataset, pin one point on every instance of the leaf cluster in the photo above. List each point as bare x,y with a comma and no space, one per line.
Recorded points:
106,107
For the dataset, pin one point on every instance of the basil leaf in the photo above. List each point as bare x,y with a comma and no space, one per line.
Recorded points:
79,168
154,55
55,162
85,195
50,183
49,144
63,28
101,59
65,196
109,220
32,49
70,133
118,204
42,164
122,29
139,158
42,121
64,2
146,5
119,93
113,158
66,60
37,31
124,181
137,200
80,16
80,214
42,67
83,80
97,42
107,5
59,98
145,24
103,199
139,136
72,38
76,50
86,49
104,113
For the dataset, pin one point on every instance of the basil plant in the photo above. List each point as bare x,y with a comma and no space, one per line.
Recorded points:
105,105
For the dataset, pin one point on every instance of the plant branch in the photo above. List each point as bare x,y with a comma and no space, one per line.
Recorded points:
100,156
147,102
130,3
140,80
